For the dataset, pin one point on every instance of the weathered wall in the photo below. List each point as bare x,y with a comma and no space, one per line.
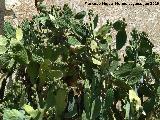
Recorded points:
2,7
144,18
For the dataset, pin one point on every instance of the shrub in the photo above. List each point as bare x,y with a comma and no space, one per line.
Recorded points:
57,66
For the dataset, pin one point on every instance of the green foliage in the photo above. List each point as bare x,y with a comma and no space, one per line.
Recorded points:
3,43
119,25
13,115
60,103
109,98
57,67
9,30
80,15
33,113
121,38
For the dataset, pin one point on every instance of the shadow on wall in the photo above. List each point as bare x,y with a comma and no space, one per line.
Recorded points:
2,14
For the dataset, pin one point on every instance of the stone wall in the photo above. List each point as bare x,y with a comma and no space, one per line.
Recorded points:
144,18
